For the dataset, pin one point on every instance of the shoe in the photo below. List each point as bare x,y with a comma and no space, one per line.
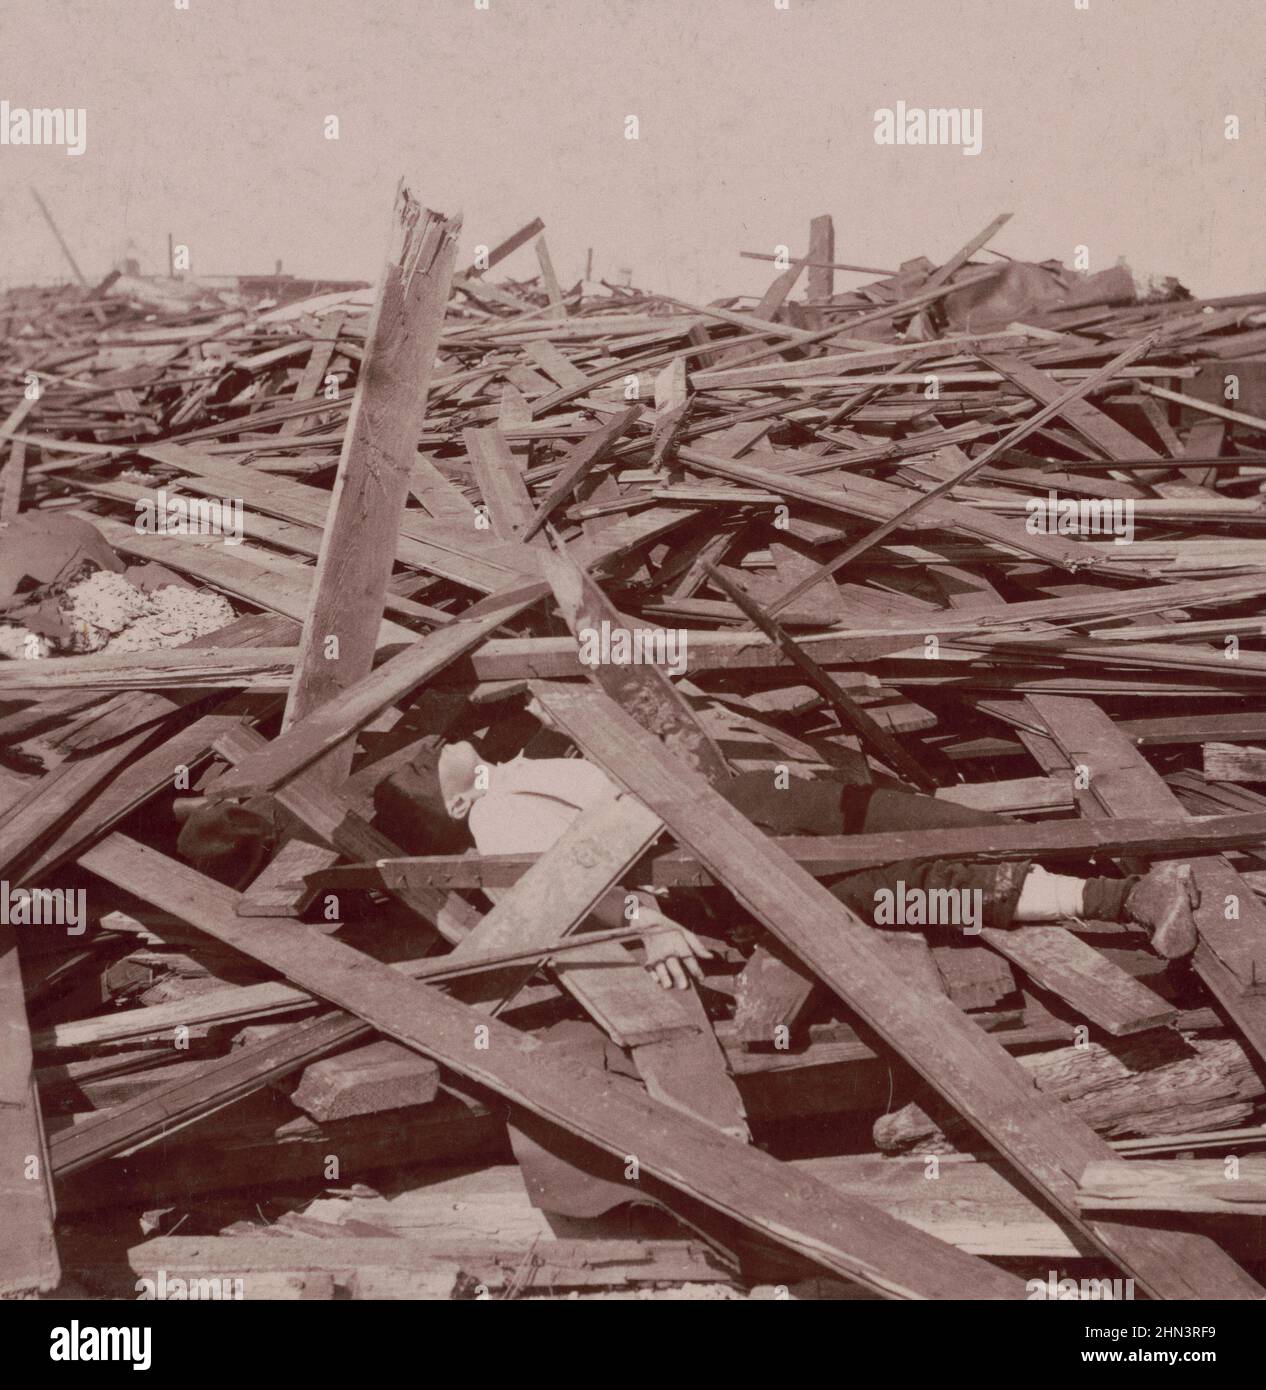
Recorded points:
1163,901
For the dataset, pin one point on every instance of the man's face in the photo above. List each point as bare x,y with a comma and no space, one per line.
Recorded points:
458,769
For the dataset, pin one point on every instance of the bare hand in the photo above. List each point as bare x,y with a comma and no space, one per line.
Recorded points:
672,956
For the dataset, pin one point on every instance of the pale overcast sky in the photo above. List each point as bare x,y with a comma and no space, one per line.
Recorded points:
1102,127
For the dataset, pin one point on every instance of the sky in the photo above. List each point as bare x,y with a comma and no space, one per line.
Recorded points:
1103,127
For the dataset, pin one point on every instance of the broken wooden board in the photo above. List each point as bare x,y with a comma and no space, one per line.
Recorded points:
1056,960
336,649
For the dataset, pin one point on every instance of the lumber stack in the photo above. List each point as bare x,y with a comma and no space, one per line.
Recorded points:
981,531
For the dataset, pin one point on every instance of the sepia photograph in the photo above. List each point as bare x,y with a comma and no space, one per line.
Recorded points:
632,668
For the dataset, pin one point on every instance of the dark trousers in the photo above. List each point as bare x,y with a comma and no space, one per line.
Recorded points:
874,810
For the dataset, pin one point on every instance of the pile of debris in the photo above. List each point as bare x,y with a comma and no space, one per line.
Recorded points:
519,792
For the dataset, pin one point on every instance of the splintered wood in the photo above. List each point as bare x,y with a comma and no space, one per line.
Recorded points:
645,784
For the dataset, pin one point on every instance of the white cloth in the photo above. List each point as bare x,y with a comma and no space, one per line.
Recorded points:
1048,897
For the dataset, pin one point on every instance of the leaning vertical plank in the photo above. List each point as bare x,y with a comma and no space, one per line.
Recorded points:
28,1253
821,254
550,281
1047,1144
372,485
11,478
840,1233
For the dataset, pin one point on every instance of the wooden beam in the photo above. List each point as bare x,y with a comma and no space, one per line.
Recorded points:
1056,960
372,483
1043,1142
825,856
852,717
842,1235
28,1249
821,256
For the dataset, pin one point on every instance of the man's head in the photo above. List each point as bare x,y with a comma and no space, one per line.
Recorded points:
422,805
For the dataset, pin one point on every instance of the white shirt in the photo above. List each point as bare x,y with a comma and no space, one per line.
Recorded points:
530,802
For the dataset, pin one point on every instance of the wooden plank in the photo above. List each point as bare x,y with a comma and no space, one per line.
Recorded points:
970,1070
941,274
821,255
828,855
372,483
549,280
28,1249
579,463
1205,1186
877,740
443,499
1091,423
12,476
500,481
843,1235
505,248
1121,780
313,378
644,689
972,977
1055,960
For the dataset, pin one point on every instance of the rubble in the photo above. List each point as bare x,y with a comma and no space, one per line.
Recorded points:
834,596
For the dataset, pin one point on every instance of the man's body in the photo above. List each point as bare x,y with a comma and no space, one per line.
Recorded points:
439,802
523,806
